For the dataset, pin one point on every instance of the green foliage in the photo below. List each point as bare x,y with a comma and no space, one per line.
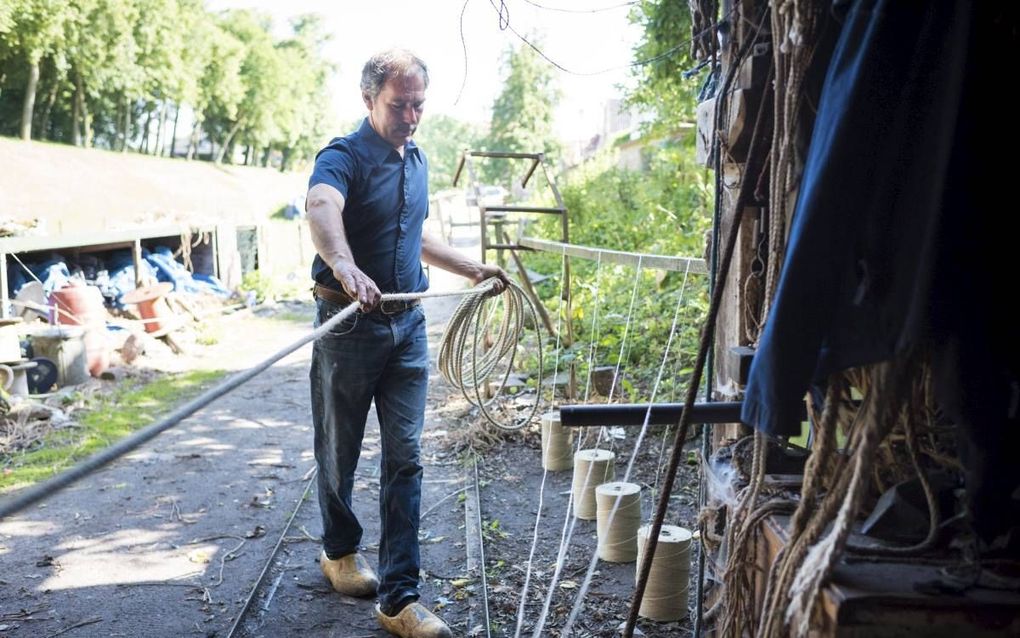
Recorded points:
108,73
664,210
522,115
661,87
258,282
112,418
444,138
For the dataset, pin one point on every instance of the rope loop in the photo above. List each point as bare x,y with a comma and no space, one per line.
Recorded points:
481,339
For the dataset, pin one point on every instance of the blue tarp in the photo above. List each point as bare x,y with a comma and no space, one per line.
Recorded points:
116,274
169,269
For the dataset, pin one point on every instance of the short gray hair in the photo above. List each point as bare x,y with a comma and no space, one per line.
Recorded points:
389,64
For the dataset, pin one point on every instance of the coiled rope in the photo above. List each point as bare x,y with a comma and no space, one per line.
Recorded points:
481,338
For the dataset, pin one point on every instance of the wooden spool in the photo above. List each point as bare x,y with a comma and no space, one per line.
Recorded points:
665,596
557,444
591,469
618,537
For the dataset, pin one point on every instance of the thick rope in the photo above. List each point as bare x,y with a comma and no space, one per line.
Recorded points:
467,358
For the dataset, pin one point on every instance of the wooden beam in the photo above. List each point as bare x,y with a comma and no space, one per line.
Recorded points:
136,257
102,239
505,155
4,300
526,209
692,265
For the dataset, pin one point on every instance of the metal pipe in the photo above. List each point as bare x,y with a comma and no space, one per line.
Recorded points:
657,414
586,416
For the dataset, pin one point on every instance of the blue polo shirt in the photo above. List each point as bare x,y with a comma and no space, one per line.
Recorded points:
386,203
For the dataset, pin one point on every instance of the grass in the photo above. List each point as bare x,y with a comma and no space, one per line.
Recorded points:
295,317
113,417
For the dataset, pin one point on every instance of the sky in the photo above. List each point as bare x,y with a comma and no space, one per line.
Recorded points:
581,42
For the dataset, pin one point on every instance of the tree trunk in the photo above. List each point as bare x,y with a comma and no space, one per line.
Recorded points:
125,123
86,125
227,142
160,138
285,161
28,106
143,144
43,130
76,111
173,135
118,126
193,140
265,156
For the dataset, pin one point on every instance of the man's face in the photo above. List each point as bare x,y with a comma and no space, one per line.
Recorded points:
396,111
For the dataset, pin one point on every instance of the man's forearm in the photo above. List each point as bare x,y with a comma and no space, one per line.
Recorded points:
325,206
436,253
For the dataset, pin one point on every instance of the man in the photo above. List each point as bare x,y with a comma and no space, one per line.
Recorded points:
367,201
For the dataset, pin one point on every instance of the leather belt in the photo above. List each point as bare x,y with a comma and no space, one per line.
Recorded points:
386,307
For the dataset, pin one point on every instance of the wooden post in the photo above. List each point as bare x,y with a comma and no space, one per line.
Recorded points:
565,238
136,253
497,228
529,290
4,300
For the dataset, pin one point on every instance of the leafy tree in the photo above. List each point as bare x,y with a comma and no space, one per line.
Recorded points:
522,115
661,86
159,60
303,106
35,29
220,88
197,27
108,72
263,80
99,48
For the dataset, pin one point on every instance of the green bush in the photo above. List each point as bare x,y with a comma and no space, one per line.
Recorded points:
663,210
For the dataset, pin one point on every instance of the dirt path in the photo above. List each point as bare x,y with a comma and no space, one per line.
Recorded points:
169,540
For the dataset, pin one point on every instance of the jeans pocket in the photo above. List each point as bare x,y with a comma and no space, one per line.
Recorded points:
327,309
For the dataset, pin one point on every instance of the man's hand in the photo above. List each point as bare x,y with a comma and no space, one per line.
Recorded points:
357,284
486,271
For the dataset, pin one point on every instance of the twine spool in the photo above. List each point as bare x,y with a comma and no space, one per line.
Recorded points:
666,593
618,539
557,444
591,469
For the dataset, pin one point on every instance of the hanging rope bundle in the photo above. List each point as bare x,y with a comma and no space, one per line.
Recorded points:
473,349
618,517
665,596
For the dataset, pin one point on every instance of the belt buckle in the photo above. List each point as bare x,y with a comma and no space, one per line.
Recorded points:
396,305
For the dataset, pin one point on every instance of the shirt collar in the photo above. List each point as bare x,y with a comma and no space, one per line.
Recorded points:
378,148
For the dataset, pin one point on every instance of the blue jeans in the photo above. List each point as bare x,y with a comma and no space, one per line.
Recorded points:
366,357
